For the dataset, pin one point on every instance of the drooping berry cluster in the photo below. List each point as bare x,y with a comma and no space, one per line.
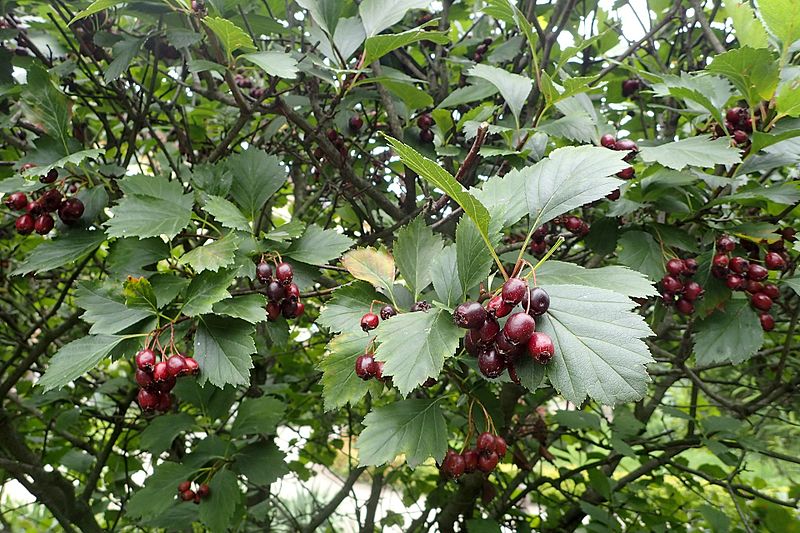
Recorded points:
366,365
37,215
497,349
185,492
543,237
740,274
282,292
682,293
488,452
481,50
425,123
156,379
739,125
621,145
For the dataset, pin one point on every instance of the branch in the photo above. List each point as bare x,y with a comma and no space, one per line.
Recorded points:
466,166
331,506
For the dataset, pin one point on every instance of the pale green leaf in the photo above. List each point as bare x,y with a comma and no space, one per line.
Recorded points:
249,307
95,7
222,347
231,36
340,384
614,278
378,15
256,177
258,416
749,30
349,303
76,358
205,290
319,246
473,263
754,72
213,255
782,19
445,277
278,64
701,151
378,46
515,88
374,266
414,250
105,311
226,213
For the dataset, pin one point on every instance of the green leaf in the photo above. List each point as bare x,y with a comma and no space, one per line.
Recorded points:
732,334
473,263
702,93
324,12
374,266
784,194
641,252
107,314
152,206
787,102
578,127
124,53
530,373
230,36
139,293
577,419
213,255
158,493
159,433
569,178
65,162
413,427
340,384
227,214
783,20
379,45
278,64
478,91
598,346
205,290
55,253
515,88
76,358
700,151
319,246
445,277
414,346
614,278
128,257
343,312
754,72
249,307
261,463
95,7
258,416
256,177
217,511
444,181
378,15
794,283
48,105
222,347
749,30
414,250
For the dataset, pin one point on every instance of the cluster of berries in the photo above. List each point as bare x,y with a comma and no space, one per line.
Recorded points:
739,123
740,274
244,82
366,365
186,493
681,294
621,145
489,450
157,379
37,212
481,50
282,292
425,123
497,349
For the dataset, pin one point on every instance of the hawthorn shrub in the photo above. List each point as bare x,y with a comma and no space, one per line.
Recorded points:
339,265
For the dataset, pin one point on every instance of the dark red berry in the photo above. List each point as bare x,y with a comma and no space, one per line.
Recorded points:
146,360
488,462
50,177
671,284
24,224
147,400
500,446
739,264
720,261
692,291
453,465
472,342
426,136
184,486
176,365
275,291
684,306
70,210
187,495
355,123
299,309
425,122
719,272
771,290
540,347
387,312
488,331
369,321
144,379
377,370
16,201
364,366
34,209
626,145
513,290
332,135
43,224
519,327
608,141
676,267
691,266
573,224
51,200
192,366
161,372
284,273
485,443
536,301
789,233
292,292
469,315
470,460
734,282
290,309
739,136
490,363
754,286
767,322
203,491
761,301
629,87
756,272
725,244
774,261
498,307
273,311
263,271
734,114
627,173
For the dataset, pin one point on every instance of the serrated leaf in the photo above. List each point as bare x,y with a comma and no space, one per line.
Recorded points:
286,232
65,162
614,278
107,314
514,88
324,12
162,430
378,15
570,177
226,213
414,250
754,72
222,347
51,254
319,246
782,19
414,346
230,36
258,416
794,282
787,101
374,266
749,30
445,277
249,307
218,509
128,257
158,493
340,384
378,46
785,194
413,427
700,151
213,255
256,177
343,312
167,287
138,292
579,127
76,358
124,53
473,263
205,290
48,105
731,334
598,348
530,373
278,64
261,463
153,206
641,252
95,7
